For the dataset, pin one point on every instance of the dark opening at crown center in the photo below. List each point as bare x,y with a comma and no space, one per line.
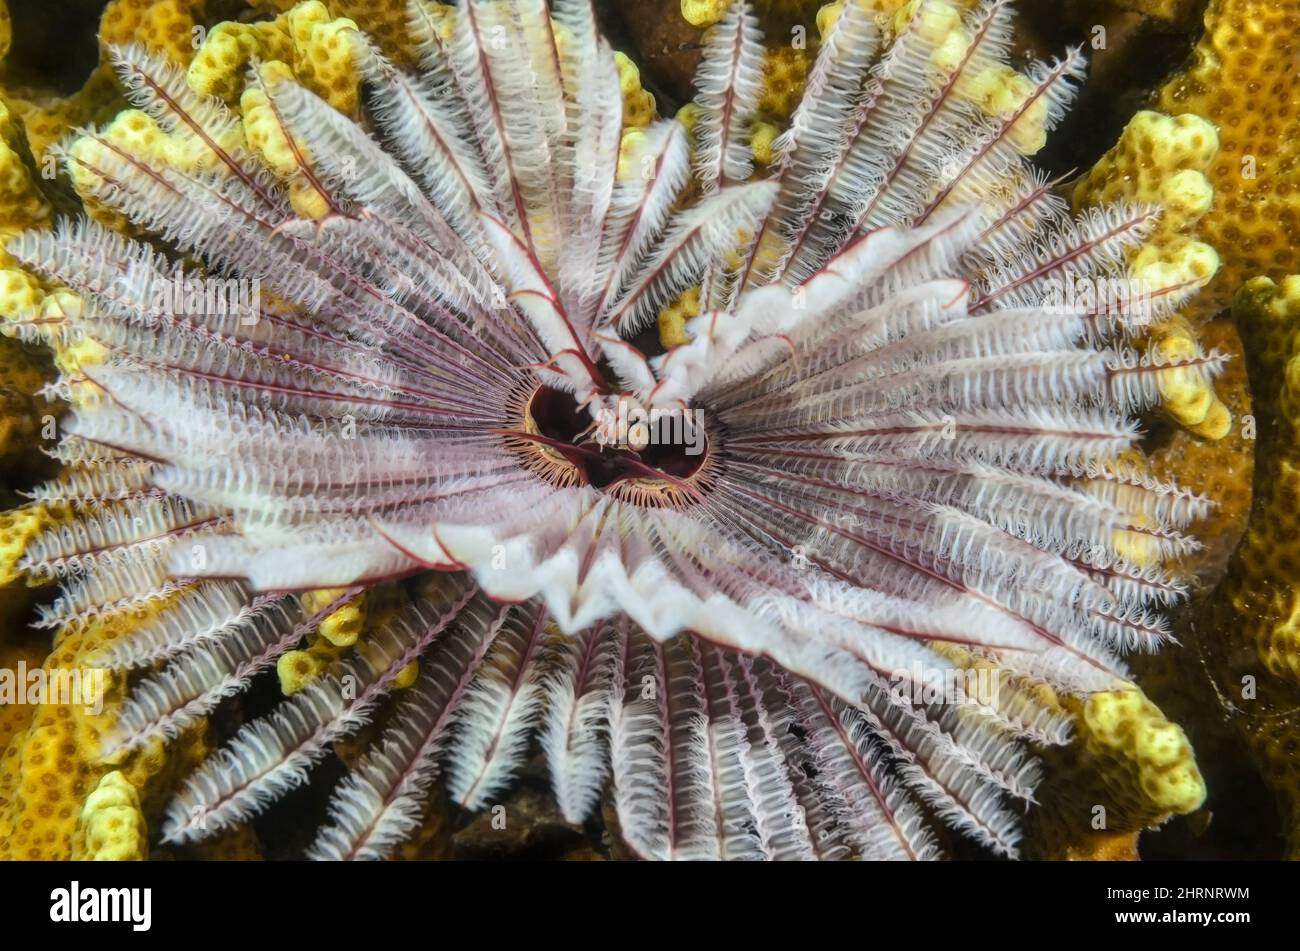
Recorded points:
673,453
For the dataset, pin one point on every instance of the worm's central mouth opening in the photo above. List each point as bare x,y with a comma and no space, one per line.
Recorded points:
650,457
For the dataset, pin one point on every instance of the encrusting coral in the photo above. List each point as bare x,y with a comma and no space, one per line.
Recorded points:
1252,635
48,769
309,43
1269,314
1162,160
1242,79
1238,635
1128,769
112,823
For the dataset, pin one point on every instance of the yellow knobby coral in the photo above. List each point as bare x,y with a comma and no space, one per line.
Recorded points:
1253,647
1146,760
1162,160
638,105
296,669
269,141
222,62
313,47
49,769
342,627
673,318
764,143
704,13
785,73
339,631
1185,395
1128,768
169,27
16,716
18,528
21,203
1159,160
407,675
113,827
385,21
999,91
48,119
135,131
1242,79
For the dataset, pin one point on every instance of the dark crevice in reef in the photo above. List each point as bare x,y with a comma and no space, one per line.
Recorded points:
1140,52
55,43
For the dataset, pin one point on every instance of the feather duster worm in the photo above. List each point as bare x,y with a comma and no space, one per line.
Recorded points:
900,455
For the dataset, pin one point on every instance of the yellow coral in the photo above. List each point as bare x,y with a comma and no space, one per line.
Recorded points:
785,71
296,669
219,67
343,626
384,20
164,26
1242,79
16,717
310,45
704,12
828,16
267,138
1128,768
1147,759
673,318
1247,631
1185,395
1001,92
407,675
18,527
323,49
21,203
112,822
47,120
1162,160
135,131
638,105
20,295
48,770
338,631
764,143
1266,585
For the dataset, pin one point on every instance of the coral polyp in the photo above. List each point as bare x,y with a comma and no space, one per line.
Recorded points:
427,460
